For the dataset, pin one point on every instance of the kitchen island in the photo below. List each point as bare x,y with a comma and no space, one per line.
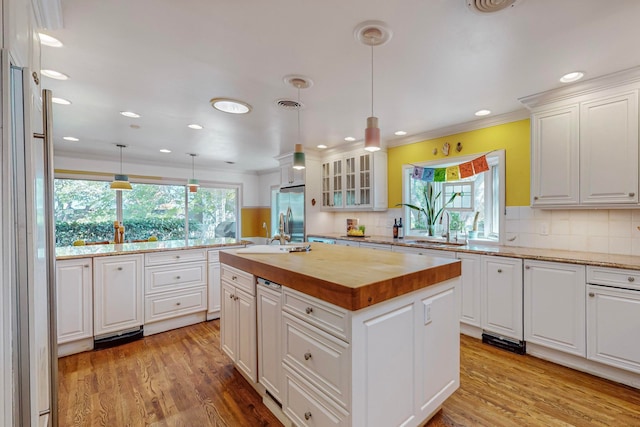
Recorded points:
361,337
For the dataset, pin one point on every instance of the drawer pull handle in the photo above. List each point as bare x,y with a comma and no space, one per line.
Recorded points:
307,416
234,277
307,356
631,279
86,266
499,270
235,298
177,256
119,268
591,294
632,194
308,310
231,296
177,277
527,267
178,303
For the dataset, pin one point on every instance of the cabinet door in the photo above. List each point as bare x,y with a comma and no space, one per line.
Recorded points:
229,321
609,150
74,299
118,303
364,181
350,191
213,290
554,310
337,184
613,322
247,346
470,302
555,157
327,185
502,296
269,340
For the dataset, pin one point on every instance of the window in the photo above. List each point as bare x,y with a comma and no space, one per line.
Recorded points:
480,199
86,209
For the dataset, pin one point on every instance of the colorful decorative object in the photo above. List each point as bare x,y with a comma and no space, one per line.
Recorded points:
440,175
480,164
466,169
453,173
428,174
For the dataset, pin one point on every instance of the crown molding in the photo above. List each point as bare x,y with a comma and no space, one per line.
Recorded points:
462,127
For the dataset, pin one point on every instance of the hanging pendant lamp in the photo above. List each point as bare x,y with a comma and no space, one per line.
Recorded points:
372,33
120,182
193,183
299,82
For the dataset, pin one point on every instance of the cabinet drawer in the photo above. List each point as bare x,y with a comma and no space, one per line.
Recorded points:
319,357
172,304
617,277
238,278
172,257
174,277
306,406
328,317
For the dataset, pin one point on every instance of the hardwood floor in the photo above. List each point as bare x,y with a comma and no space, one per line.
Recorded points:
182,378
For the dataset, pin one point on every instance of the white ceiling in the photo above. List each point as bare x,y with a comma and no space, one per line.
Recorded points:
165,59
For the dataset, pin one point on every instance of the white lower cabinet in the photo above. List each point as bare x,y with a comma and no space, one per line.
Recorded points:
118,294
391,364
347,243
613,322
270,340
470,295
554,311
238,320
74,294
426,252
502,296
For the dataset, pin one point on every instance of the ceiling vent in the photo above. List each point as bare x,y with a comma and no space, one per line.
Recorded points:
289,104
490,6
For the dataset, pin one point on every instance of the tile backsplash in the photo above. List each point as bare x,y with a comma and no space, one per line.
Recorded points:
612,231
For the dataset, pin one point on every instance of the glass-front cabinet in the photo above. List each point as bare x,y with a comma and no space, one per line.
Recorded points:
352,182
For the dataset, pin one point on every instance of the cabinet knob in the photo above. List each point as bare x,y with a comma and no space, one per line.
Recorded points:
591,294
236,298
307,416
632,194
307,356
234,277
631,279
177,277
231,296
309,310
178,303
535,197
499,270
177,256
527,267
86,266
119,268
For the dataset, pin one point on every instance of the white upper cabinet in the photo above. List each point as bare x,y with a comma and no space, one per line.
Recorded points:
290,177
355,181
584,143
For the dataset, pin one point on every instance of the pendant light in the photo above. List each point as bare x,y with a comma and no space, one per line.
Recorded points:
120,182
372,33
298,82
193,183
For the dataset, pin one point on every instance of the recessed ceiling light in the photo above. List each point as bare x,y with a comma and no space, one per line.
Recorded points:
54,74
47,40
572,77
130,114
70,138
194,126
60,101
400,133
321,146
350,139
483,112
232,106
164,150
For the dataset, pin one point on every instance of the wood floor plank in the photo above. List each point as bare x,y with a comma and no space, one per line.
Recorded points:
182,378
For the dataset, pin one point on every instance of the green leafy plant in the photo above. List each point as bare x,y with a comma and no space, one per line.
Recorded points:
432,216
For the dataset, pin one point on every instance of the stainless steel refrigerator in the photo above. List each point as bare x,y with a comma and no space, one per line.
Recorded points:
289,201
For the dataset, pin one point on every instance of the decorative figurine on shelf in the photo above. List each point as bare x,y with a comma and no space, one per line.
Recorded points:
121,232
116,232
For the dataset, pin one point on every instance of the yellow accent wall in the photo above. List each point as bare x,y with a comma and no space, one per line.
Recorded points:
513,137
252,219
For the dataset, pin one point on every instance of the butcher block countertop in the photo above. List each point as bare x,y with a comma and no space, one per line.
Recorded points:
352,278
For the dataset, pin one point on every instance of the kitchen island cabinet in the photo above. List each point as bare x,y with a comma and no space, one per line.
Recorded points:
75,305
376,345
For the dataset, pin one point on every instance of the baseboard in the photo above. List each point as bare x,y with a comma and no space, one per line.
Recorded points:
212,315
174,323
73,347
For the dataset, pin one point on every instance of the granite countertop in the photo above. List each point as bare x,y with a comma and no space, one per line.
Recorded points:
70,252
630,262
347,277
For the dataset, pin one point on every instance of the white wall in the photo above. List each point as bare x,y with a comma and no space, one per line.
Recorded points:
253,185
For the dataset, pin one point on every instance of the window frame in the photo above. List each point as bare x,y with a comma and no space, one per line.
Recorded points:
497,160
99,176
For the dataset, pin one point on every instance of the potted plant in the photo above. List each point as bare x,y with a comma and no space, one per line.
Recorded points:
429,207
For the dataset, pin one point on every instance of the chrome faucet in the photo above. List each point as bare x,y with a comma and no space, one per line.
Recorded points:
447,233
283,238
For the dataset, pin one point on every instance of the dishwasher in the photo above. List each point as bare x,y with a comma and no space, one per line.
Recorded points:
269,312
